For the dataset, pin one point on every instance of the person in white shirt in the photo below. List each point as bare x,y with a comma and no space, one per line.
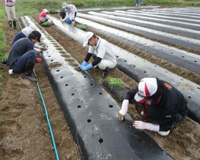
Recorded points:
102,51
69,15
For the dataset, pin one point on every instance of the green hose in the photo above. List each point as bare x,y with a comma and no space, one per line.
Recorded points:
48,121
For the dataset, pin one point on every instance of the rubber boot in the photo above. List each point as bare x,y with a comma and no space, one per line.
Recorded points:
4,61
28,71
10,24
15,24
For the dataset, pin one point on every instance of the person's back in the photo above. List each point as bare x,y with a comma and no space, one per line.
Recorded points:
42,16
158,102
172,107
70,10
105,50
19,48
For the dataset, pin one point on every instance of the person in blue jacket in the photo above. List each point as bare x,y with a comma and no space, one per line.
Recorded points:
22,56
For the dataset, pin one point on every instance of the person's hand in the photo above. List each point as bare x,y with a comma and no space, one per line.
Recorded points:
84,63
121,117
139,125
144,125
38,50
85,68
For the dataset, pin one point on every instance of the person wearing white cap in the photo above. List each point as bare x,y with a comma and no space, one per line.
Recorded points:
70,13
102,51
22,34
161,104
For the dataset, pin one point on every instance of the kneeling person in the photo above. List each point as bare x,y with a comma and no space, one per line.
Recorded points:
102,52
22,55
161,104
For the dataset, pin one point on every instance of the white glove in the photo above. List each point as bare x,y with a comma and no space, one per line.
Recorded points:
143,125
37,50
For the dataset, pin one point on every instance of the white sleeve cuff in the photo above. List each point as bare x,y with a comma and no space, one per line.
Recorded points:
124,108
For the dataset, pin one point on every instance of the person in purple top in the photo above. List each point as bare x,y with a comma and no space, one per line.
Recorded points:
10,11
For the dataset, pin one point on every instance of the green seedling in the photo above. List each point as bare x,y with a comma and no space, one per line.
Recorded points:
46,24
81,26
115,82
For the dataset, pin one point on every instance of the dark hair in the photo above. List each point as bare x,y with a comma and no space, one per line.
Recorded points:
160,90
94,36
32,36
62,14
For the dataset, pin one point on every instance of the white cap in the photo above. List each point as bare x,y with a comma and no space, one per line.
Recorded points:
88,35
45,10
26,31
147,87
65,5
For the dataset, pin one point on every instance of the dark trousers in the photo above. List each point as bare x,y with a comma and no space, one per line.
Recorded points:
137,1
20,65
18,36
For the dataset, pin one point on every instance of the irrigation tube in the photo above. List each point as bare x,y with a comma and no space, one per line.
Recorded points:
48,121
45,109
46,114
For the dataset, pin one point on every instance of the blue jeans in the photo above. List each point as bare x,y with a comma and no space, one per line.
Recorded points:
20,65
18,36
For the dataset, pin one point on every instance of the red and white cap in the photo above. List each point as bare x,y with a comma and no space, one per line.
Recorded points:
147,87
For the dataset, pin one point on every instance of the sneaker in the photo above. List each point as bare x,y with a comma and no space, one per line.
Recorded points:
4,61
164,133
33,79
10,71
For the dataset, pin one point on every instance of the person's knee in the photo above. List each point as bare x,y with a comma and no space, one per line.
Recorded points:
32,56
102,66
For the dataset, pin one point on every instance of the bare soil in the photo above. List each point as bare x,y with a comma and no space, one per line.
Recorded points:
24,133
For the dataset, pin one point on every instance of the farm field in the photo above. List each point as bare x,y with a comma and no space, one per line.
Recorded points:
23,130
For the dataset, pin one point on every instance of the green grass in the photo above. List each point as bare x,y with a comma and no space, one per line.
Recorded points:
115,82
2,39
81,26
1,119
33,6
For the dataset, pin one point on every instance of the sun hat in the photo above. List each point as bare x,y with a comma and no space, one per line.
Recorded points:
147,87
65,5
88,35
45,10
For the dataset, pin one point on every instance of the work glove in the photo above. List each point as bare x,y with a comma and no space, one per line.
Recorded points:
38,60
85,68
143,125
84,63
123,110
